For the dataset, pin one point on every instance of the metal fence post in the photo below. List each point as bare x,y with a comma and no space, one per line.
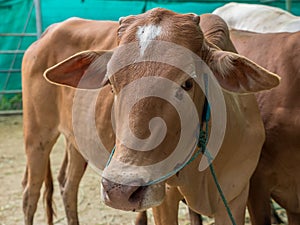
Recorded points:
39,27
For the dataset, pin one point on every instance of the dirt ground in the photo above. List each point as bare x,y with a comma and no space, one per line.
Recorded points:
91,210
12,164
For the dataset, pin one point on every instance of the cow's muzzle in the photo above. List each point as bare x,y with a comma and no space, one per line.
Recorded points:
124,197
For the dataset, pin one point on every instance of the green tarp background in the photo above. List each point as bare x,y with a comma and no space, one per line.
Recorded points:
13,16
17,16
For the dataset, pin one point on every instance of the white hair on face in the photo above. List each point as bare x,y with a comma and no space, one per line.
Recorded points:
147,33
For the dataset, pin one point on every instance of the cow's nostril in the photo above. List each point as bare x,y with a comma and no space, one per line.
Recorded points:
108,185
120,192
138,194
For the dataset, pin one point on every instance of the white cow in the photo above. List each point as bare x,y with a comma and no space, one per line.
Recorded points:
258,18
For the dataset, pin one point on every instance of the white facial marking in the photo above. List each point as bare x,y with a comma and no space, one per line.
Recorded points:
147,33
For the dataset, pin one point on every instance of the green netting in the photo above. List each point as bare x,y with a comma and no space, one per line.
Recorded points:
14,13
54,11
15,18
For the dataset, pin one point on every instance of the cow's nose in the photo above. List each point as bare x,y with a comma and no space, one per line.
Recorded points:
125,197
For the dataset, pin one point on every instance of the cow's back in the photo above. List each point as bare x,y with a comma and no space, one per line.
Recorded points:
64,39
43,102
280,54
258,18
280,110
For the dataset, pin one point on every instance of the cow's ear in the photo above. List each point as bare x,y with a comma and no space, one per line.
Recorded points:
124,23
216,32
235,73
84,70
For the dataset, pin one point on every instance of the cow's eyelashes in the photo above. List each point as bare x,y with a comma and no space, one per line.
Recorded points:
188,84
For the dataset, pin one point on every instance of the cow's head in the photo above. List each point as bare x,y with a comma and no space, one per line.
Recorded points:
145,73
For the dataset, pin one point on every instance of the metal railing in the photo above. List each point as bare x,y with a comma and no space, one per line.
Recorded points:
12,71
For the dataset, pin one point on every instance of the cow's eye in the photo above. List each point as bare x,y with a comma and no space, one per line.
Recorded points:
187,85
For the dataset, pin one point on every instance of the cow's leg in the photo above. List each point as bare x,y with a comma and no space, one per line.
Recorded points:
25,178
167,212
238,209
38,146
196,219
62,172
141,218
75,166
293,218
259,203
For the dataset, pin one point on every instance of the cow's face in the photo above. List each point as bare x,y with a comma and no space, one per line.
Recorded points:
148,126
149,79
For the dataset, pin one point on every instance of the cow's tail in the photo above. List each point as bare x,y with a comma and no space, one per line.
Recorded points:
48,194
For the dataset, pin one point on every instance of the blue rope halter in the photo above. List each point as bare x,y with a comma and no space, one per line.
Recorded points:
202,142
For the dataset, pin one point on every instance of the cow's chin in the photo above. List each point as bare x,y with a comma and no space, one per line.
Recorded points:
145,197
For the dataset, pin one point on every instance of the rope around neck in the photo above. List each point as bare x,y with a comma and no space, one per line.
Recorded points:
202,142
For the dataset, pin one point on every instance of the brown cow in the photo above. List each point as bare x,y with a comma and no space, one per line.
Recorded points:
244,135
47,108
48,120
277,174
